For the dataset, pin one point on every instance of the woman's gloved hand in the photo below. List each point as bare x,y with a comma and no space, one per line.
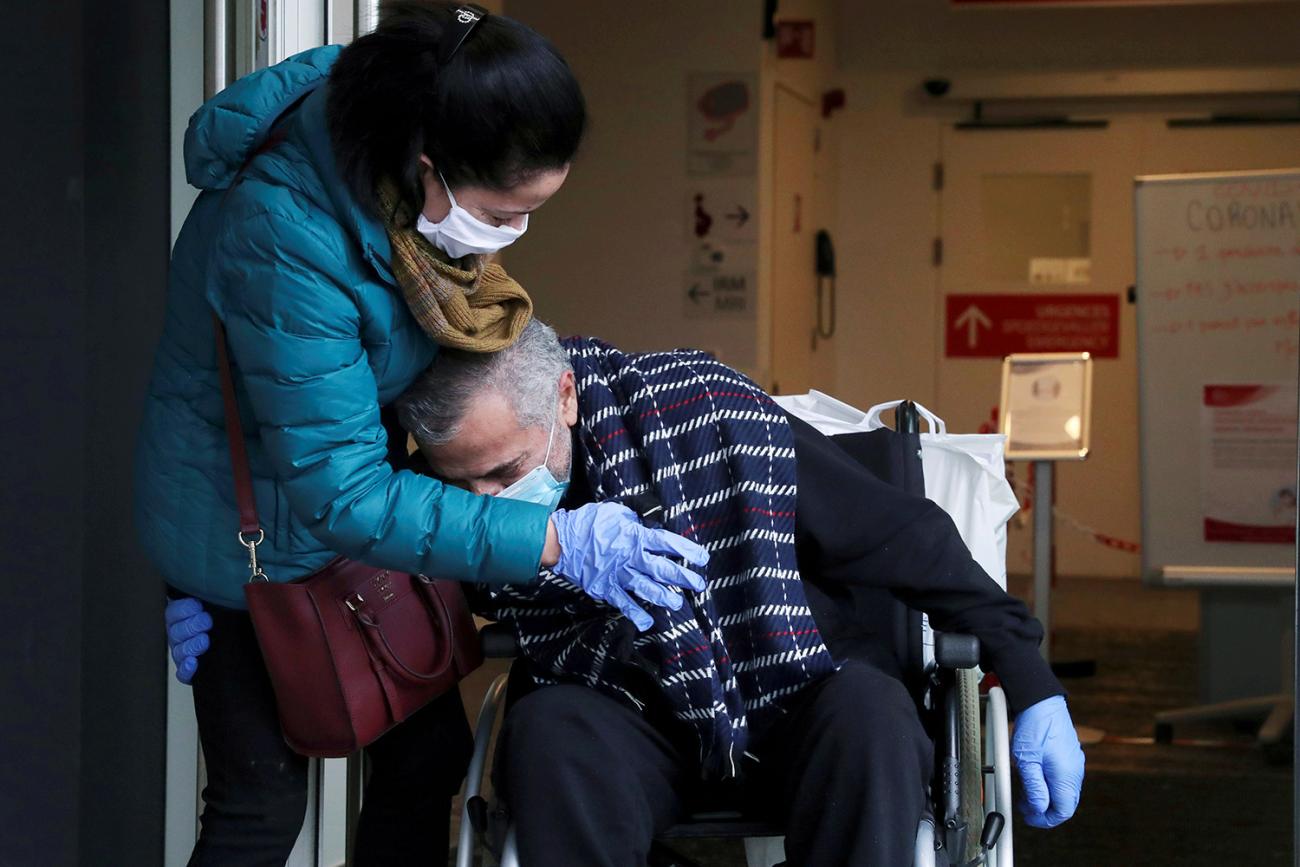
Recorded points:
605,550
1047,753
187,635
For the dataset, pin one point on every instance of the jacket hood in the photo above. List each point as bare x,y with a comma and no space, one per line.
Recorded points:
228,128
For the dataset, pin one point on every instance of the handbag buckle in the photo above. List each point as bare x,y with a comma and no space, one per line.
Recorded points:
354,602
255,572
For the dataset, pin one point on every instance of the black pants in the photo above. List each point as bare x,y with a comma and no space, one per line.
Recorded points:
591,782
256,796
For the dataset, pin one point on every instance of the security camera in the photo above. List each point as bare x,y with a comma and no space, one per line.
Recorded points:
937,87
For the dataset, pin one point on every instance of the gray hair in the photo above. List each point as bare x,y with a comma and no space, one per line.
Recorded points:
527,374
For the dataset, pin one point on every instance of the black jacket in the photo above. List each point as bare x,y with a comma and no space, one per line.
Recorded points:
860,539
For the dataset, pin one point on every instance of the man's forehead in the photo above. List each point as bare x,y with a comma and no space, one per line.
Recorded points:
489,436
490,412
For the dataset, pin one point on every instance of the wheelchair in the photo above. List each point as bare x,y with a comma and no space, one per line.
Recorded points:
967,823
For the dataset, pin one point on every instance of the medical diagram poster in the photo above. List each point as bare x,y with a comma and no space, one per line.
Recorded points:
722,124
1248,448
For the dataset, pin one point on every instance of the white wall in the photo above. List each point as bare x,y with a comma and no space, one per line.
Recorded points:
929,36
607,256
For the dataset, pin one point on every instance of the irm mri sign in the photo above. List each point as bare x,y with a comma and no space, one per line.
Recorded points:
993,326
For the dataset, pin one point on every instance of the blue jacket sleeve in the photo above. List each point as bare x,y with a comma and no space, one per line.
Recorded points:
294,334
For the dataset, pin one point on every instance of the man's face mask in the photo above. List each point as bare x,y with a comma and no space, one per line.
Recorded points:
460,233
538,485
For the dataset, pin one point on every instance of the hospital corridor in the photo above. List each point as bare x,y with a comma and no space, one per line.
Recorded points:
598,433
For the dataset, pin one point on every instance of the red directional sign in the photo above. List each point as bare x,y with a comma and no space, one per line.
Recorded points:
991,326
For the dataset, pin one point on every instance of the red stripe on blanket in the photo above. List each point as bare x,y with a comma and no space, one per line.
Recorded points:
690,400
768,513
788,632
670,660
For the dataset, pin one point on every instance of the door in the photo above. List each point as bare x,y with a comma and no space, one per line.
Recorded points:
1035,215
258,32
794,282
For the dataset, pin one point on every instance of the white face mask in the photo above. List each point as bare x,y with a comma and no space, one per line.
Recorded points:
460,233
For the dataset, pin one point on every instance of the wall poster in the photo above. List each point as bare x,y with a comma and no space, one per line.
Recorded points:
1248,442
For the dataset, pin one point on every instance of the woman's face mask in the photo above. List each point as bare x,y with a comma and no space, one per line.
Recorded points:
460,233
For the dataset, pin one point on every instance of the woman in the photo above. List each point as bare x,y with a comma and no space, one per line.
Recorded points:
350,198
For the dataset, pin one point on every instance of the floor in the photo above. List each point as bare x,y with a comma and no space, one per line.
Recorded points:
1211,798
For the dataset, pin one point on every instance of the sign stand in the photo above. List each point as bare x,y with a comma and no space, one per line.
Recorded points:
1043,497
1046,408
1044,547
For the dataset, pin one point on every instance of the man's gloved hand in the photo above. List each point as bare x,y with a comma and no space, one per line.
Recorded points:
1047,752
605,550
187,635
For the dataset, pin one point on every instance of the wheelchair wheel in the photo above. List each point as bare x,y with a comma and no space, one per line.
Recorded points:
972,759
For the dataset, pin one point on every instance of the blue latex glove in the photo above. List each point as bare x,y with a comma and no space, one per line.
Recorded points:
1047,753
609,553
187,635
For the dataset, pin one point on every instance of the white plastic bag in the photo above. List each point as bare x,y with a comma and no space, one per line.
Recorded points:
964,473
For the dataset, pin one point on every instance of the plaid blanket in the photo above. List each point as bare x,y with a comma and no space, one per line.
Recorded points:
712,448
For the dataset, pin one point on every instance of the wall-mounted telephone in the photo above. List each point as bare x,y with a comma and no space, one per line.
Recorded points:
825,268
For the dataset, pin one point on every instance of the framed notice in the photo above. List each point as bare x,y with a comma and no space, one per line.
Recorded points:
1046,405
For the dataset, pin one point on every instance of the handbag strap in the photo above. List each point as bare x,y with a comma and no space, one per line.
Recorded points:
438,613
251,533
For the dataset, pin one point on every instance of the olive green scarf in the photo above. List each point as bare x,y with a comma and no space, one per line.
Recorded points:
478,309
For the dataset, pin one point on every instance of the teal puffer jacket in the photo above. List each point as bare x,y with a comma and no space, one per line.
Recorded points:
320,338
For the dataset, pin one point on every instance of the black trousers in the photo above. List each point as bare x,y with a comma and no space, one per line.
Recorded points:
256,795
591,782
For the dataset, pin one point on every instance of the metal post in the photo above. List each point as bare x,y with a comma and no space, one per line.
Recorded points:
1295,673
216,40
367,17
1043,551
356,788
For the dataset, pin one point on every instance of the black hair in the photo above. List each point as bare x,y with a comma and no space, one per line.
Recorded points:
505,107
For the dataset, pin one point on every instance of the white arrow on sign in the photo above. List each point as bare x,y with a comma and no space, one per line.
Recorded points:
971,319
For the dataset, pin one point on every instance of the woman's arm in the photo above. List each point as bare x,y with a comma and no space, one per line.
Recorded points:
294,336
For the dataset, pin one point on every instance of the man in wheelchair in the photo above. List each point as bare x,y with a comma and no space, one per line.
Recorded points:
766,681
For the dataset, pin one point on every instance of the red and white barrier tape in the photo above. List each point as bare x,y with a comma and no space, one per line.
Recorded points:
1025,492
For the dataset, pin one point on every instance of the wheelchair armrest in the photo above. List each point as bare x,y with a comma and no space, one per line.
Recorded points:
498,641
955,650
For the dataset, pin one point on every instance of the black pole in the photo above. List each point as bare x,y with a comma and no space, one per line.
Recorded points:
906,419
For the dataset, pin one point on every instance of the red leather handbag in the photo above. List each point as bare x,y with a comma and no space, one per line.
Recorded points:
352,650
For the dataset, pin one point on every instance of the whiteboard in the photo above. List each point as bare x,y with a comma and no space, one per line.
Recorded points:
1218,298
